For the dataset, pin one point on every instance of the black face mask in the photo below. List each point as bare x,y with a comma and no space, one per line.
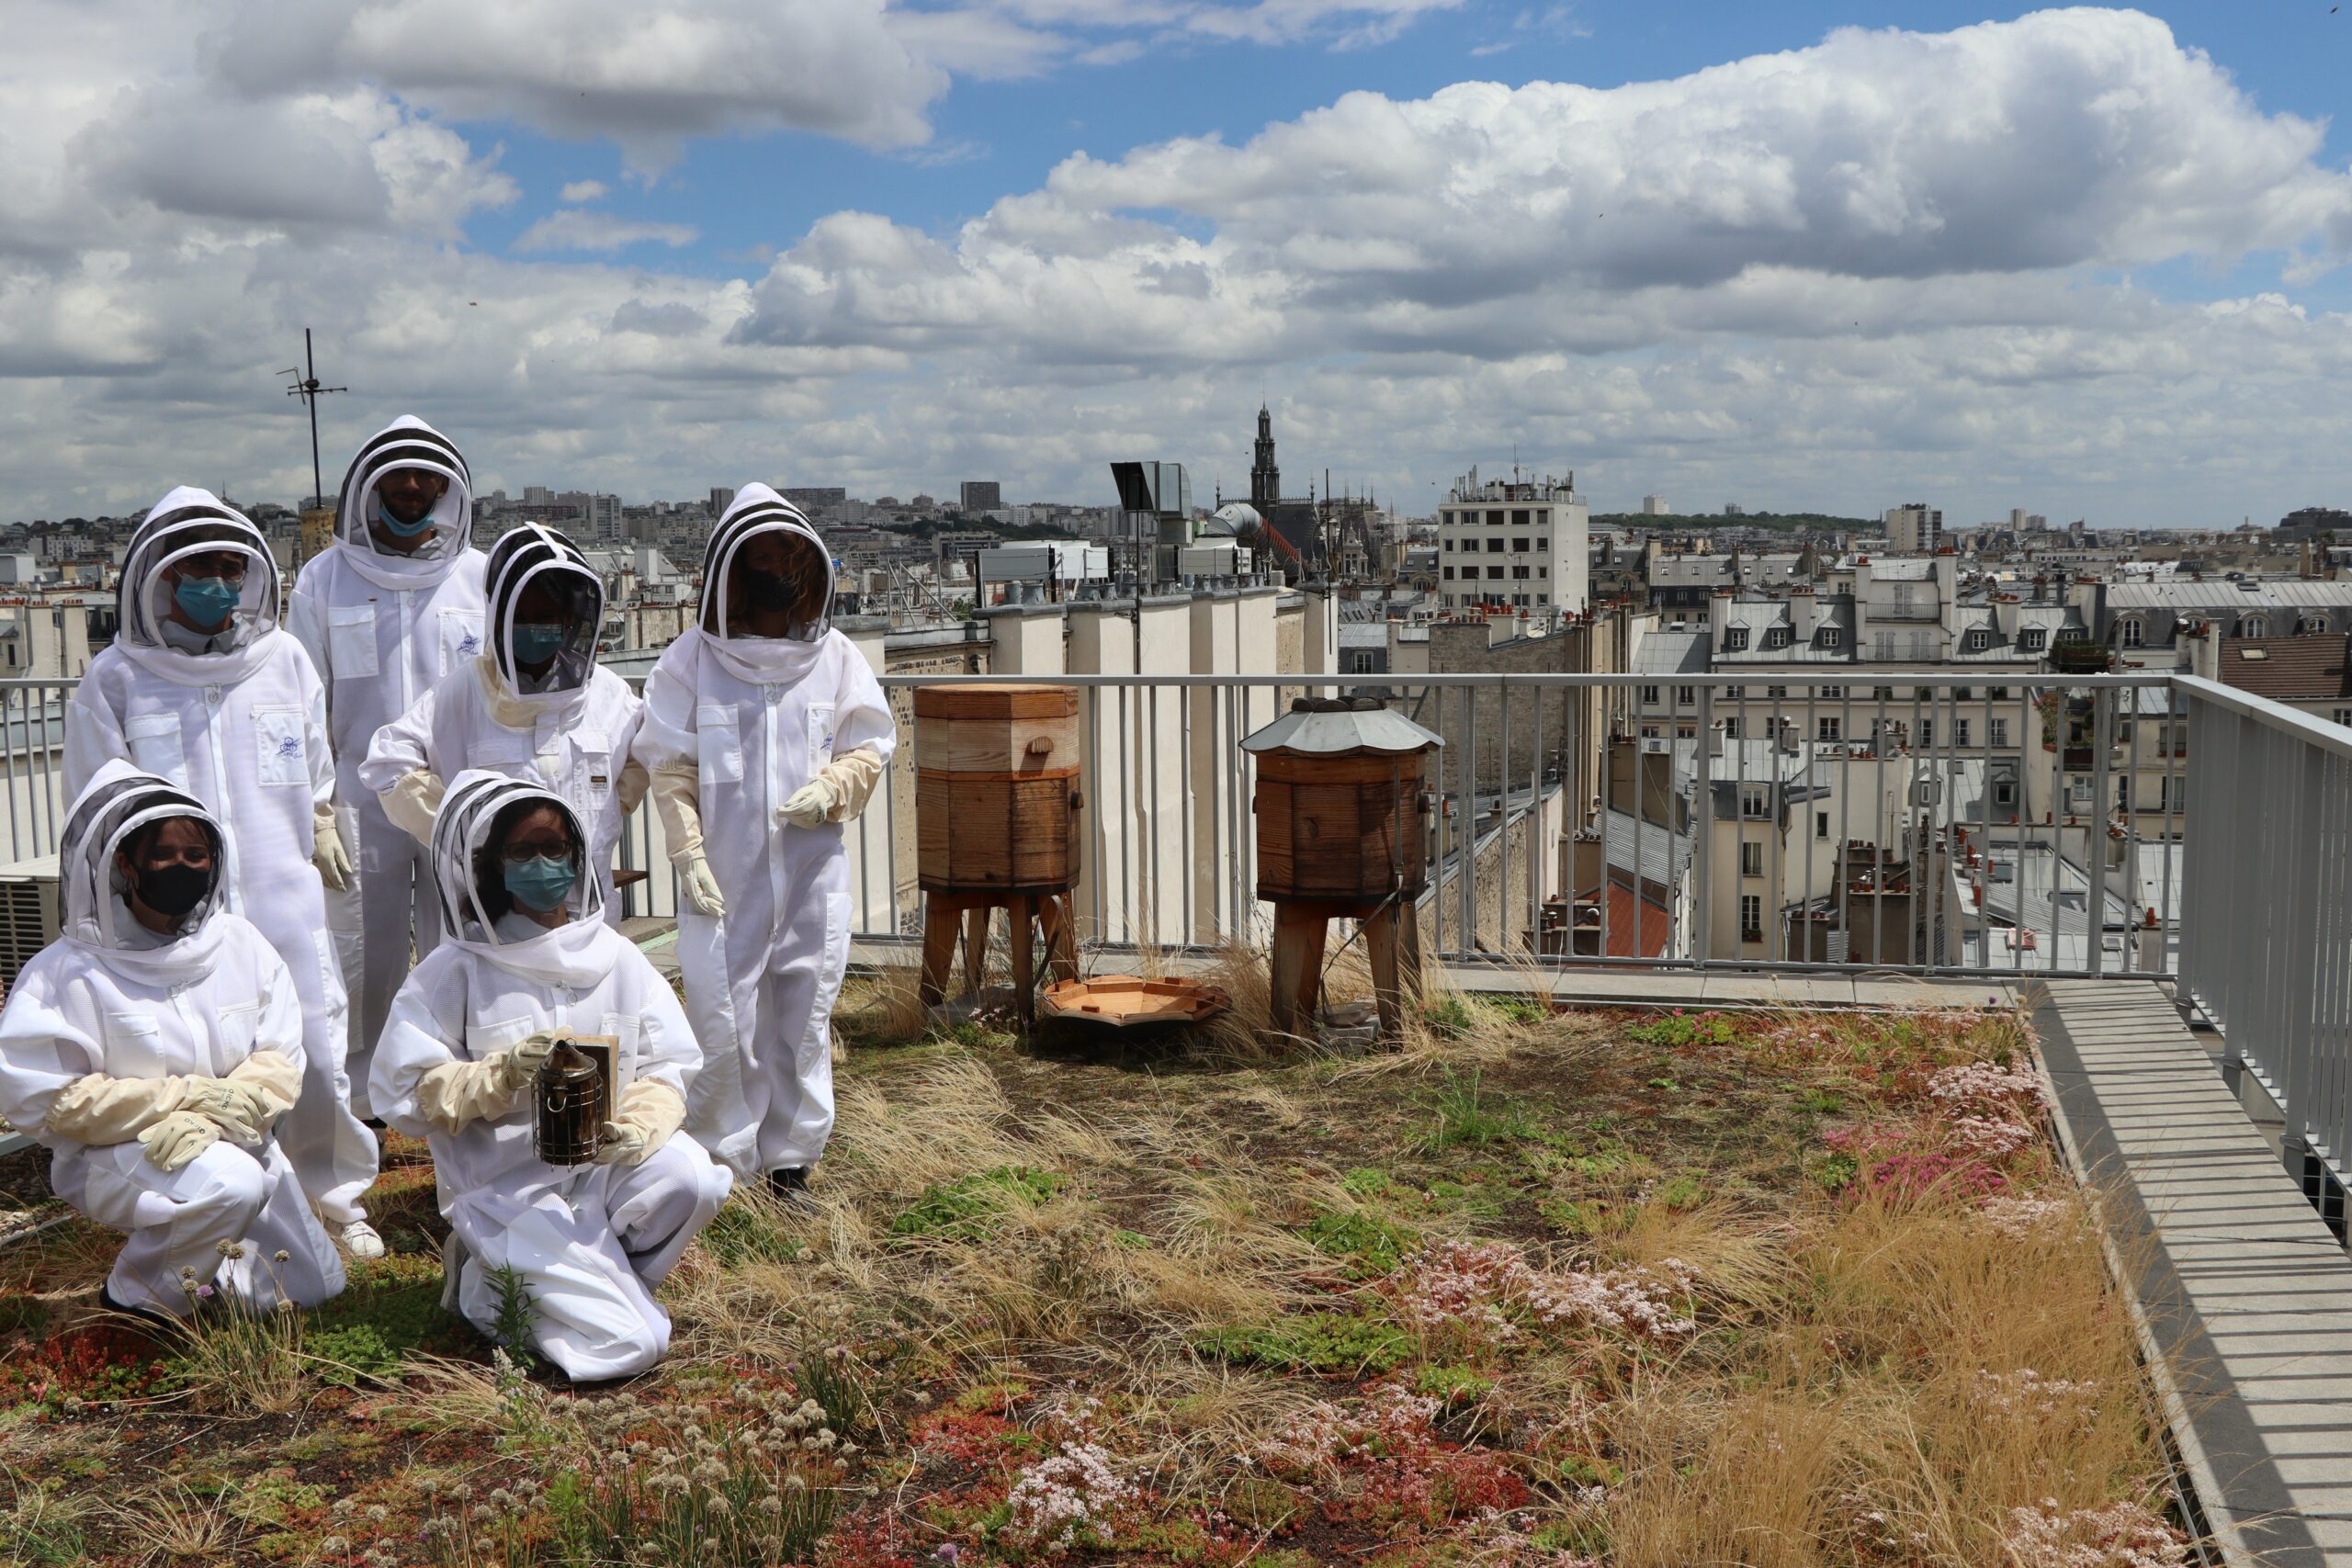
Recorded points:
173,890
770,590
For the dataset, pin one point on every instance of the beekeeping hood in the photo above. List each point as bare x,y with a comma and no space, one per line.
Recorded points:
118,802
758,510
187,523
407,443
578,953
533,555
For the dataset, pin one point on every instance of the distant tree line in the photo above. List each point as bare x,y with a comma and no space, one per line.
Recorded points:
1784,522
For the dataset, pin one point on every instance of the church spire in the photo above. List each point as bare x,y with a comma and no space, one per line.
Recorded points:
1265,475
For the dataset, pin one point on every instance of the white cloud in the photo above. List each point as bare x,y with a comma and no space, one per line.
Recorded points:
585,190
572,230
1882,266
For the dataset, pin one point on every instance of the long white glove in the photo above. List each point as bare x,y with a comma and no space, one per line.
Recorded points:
837,794
327,851
701,887
456,1093
649,1112
178,1138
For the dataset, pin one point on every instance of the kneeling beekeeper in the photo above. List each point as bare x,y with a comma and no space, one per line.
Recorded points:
153,1047
529,968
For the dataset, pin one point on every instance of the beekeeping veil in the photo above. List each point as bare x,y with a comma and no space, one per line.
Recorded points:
186,524
119,803
578,953
407,443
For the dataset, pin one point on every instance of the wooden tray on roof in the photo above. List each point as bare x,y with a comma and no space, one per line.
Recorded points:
1132,1002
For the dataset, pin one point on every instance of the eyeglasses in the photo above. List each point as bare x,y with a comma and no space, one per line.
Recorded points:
521,850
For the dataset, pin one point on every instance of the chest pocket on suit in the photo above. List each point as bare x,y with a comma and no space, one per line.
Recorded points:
351,642
233,1032
460,639
489,1039
820,736
281,752
134,1045
719,753
623,1028
591,767
154,742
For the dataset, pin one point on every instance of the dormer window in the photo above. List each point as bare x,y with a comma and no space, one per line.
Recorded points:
2033,640
2130,633
2253,626
1735,639
1979,640
1830,637
1776,636
2311,625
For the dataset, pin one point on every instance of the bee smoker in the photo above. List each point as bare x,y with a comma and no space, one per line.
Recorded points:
571,1095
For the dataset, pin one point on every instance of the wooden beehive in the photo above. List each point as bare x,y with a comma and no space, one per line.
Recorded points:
1341,803
1345,826
996,788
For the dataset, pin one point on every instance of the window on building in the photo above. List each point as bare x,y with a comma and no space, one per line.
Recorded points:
1959,732
1446,517
1649,696
1495,572
2253,626
2123,793
1448,544
2174,794
1687,696
1999,729
1927,734
1826,728
1521,572
1731,728
1687,731
1996,694
1775,694
1518,543
1830,694
2308,625
2033,640
1364,663
2342,716
1751,802
2005,794
1751,918
2129,632
1519,517
1448,574
1883,694
1544,572
1751,858
1544,517
1776,636
1821,824
1735,639
1832,636
1543,544
1979,640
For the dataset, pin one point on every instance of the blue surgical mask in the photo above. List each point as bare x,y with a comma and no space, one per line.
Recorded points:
537,642
541,882
207,601
405,530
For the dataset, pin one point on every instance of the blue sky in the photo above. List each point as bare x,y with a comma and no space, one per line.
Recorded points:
2089,261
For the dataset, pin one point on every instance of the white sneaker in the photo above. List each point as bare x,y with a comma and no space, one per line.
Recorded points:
359,1239
453,1261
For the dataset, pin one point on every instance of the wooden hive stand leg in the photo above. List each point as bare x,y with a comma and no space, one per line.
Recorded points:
1061,931
976,947
1022,913
1380,945
1297,976
1408,949
938,948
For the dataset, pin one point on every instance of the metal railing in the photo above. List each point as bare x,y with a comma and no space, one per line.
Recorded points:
2267,950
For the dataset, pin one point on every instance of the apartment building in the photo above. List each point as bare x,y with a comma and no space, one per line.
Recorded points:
1518,545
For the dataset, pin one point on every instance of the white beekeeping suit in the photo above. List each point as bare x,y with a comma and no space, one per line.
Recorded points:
153,1048
201,688
535,707
463,1050
394,604
764,731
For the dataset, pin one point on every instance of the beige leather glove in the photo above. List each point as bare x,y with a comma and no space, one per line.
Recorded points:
701,887
837,794
677,801
635,781
413,803
272,1081
649,1112
232,1107
96,1108
456,1093
178,1138
326,849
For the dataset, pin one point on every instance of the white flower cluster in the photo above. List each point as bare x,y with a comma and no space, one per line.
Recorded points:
2026,1392
1074,1491
2121,1535
2018,1216
1457,1285
1987,1089
1392,1417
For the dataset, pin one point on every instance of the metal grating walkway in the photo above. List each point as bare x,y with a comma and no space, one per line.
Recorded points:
2246,1297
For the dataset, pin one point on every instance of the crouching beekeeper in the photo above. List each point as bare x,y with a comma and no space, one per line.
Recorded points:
153,1047
527,961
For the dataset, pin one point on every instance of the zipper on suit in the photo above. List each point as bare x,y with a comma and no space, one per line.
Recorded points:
221,790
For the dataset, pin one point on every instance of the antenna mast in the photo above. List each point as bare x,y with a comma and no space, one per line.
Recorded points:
309,391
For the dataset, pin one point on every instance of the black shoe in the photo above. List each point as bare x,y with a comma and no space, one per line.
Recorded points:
788,1185
145,1314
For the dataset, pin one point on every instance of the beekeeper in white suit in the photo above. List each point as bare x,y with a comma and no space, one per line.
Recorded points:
201,688
394,604
152,1048
535,707
526,962
764,731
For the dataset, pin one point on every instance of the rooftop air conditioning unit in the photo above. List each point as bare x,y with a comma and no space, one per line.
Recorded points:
28,913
